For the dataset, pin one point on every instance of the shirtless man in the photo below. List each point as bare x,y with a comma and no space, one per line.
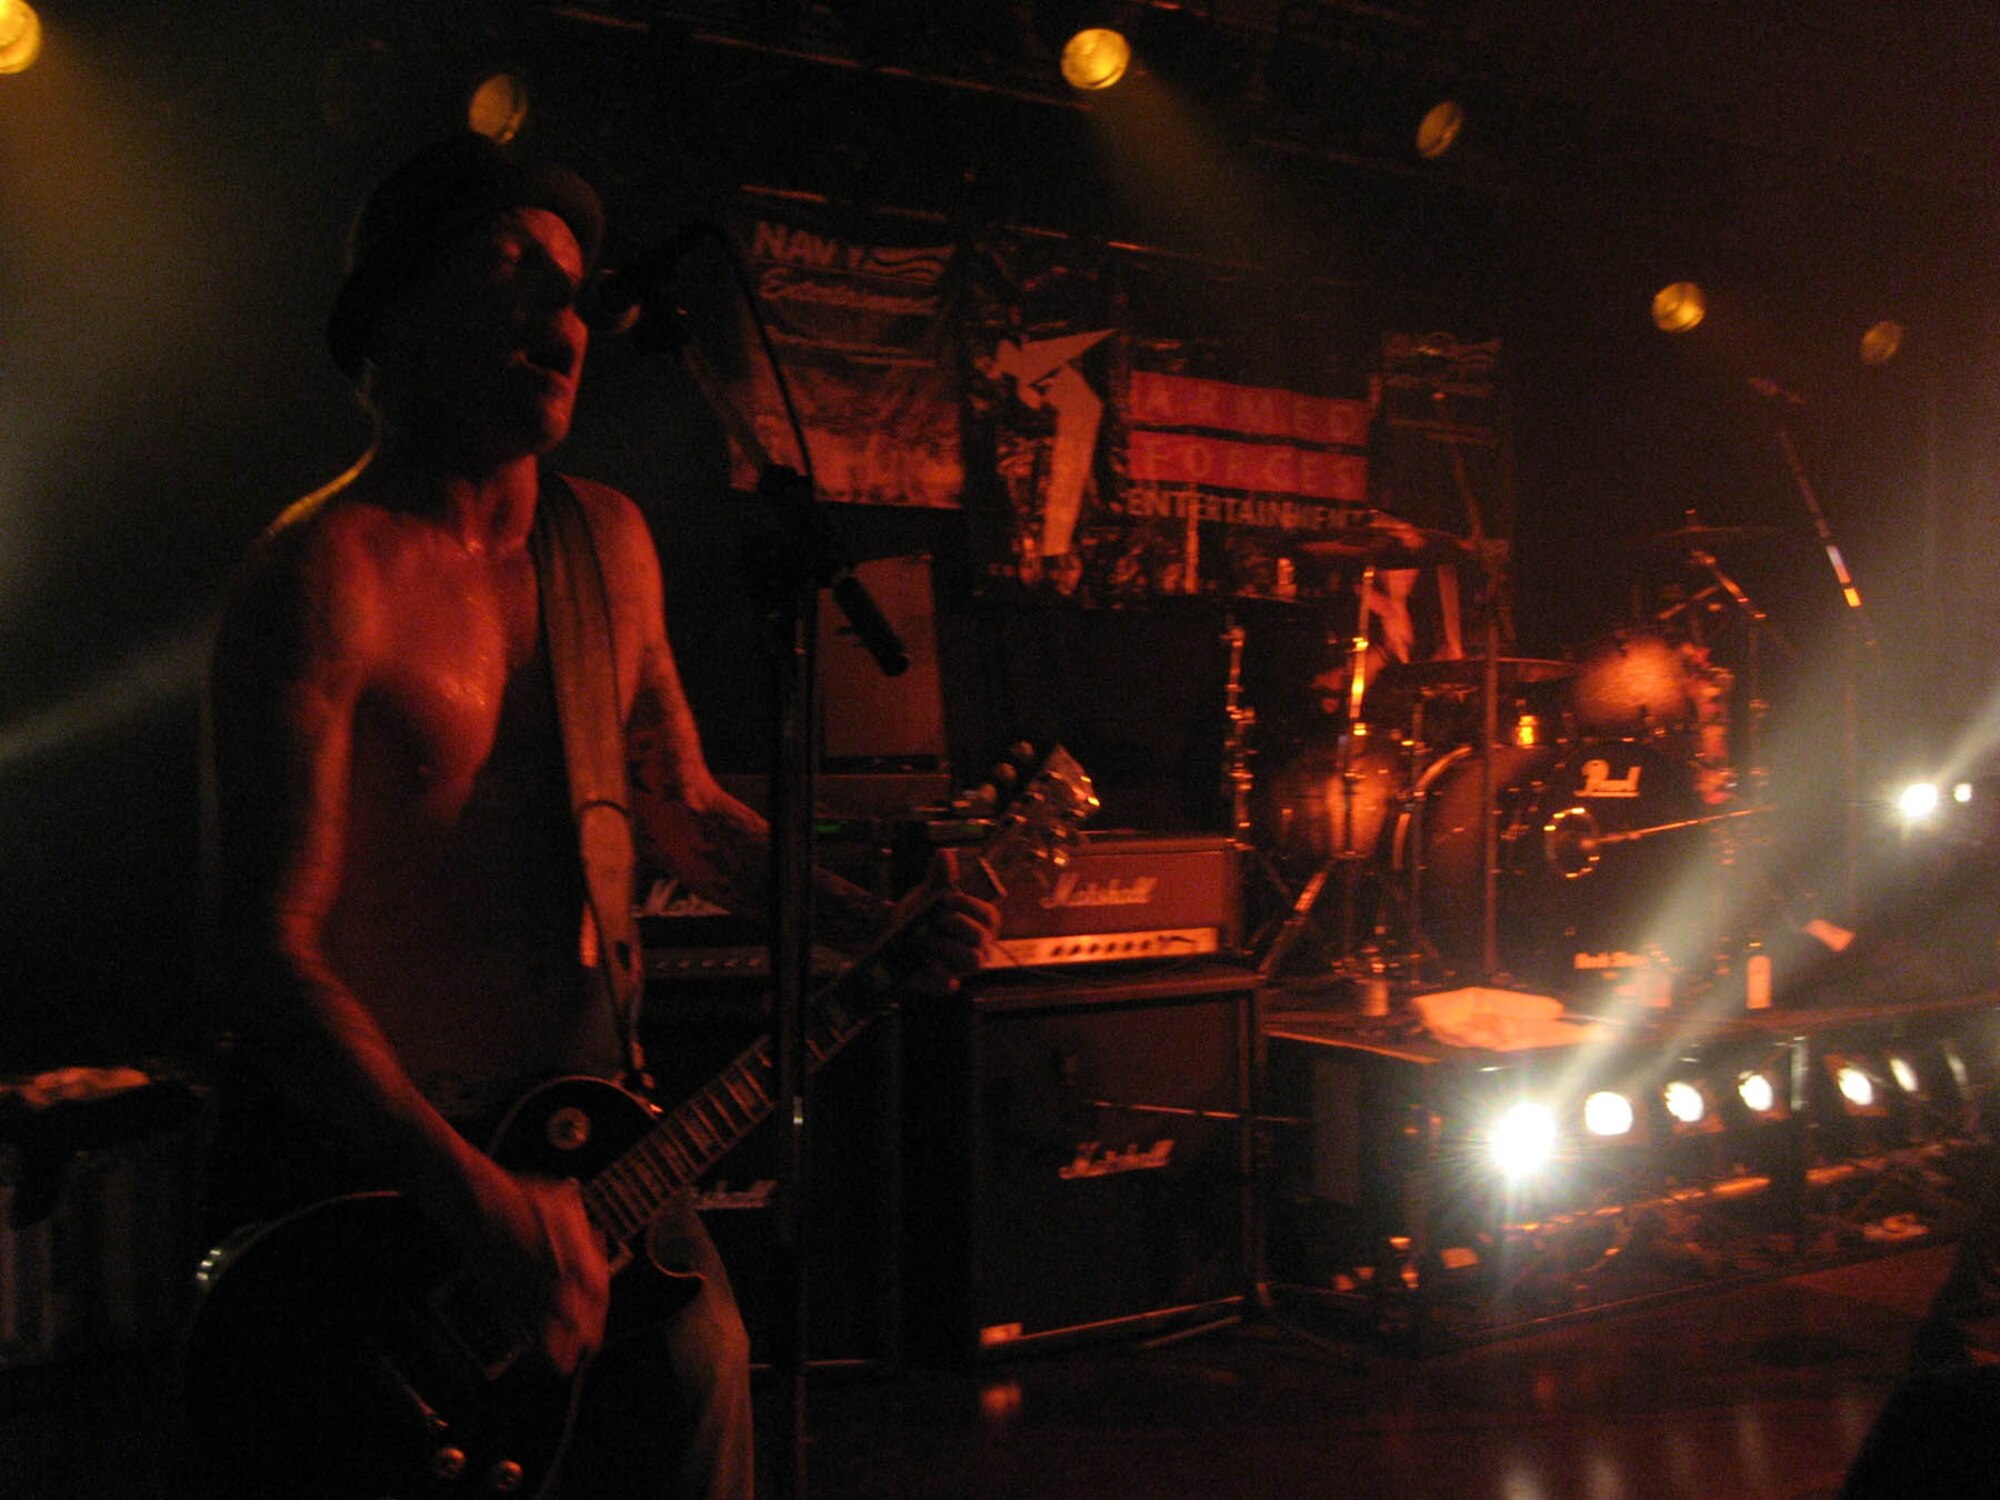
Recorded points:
399,891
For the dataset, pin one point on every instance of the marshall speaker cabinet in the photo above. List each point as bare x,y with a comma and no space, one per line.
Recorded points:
1076,1159
695,1027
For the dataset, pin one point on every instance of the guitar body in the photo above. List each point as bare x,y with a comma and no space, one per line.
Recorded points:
339,1353
319,1365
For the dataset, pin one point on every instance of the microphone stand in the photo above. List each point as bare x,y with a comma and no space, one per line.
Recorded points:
786,573
1860,629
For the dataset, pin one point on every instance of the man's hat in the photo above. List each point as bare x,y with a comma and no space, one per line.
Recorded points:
425,206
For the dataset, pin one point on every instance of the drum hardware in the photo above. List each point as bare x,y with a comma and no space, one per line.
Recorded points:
1466,673
1237,777
1345,802
1573,843
1692,533
1391,546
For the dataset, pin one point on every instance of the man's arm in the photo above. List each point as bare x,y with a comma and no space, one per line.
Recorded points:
293,656
688,826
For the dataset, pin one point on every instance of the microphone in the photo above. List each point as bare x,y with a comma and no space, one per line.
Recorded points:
1770,390
613,301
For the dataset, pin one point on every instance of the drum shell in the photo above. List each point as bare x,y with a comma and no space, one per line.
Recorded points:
1309,814
1647,898
1437,848
1634,683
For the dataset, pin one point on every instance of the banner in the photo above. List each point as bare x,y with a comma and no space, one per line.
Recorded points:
1244,474
1044,351
864,329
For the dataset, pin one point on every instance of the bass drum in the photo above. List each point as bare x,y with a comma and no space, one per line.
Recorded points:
1438,853
1308,814
1607,864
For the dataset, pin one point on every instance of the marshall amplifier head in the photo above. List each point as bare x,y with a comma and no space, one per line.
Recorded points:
1124,896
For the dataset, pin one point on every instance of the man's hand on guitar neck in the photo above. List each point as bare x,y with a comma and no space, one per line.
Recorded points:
537,1256
949,928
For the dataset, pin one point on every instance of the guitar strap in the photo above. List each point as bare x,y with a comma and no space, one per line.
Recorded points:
583,661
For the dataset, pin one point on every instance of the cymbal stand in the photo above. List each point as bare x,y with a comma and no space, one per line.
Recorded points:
1860,633
1344,860
1418,949
1760,626
1348,856
1238,779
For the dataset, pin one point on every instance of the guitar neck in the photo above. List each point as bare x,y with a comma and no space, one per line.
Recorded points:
685,1142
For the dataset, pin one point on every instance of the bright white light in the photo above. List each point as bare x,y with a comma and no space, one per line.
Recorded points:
1960,1074
1962,792
1905,1075
1685,1102
1917,801
1607,1113
1757,1092
1523,1139
1856,1087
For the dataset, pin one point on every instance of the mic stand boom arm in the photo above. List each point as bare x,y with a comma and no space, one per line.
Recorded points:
1859,629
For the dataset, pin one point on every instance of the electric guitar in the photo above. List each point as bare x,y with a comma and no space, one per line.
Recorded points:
342,1351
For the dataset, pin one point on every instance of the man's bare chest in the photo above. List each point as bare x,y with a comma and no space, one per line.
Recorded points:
464,688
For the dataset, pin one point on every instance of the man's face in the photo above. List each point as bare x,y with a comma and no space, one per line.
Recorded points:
494,339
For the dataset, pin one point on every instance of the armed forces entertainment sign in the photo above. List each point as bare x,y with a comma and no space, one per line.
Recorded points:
1105,446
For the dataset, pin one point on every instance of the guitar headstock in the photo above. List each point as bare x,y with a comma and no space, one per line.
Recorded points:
1041,819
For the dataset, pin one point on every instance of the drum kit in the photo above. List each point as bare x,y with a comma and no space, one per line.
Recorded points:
1575,825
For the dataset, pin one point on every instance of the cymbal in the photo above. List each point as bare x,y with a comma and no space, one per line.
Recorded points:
1392,547
1470,671
1703,538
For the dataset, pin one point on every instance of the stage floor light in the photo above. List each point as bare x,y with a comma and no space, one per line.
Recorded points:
1523,1139
1608,1113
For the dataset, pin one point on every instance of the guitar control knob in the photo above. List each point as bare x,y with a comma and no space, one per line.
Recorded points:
505,1477
447,1463
568,1129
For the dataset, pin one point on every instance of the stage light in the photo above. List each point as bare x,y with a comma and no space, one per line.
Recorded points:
20,36
498,107
1961,1076
1917,801
1607,1113
1962,793
1880,342
1859,1089
1686,1102
1679,307
1905,1073
1095,58
1440,128
1759,1093
1523,1139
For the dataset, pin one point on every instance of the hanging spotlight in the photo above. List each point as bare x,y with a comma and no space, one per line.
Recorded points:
1095,58
1440,128
1679,307
498,107
1880,342
20,36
